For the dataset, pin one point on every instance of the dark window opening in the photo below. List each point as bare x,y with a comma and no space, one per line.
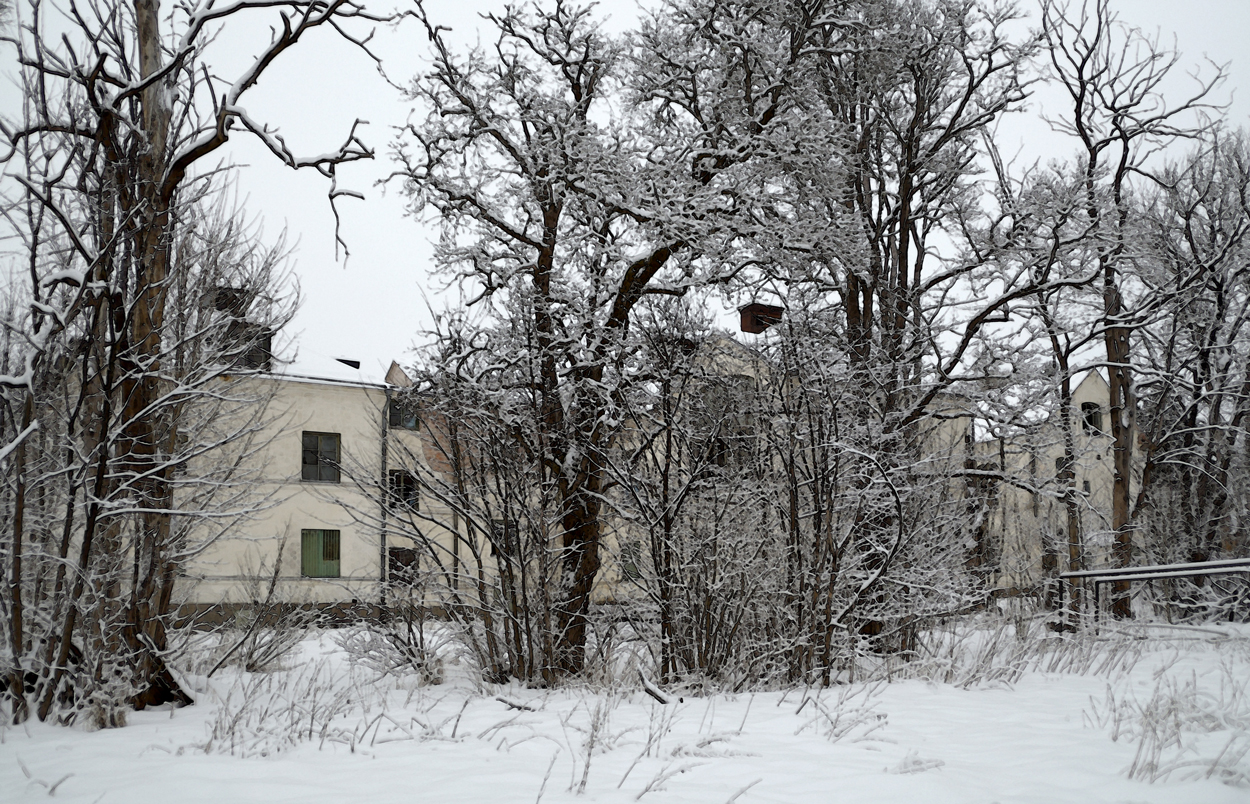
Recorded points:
234,301
503,537
249,346
1091,418
319,555
403,489
729,450
320,461
402,414
401,565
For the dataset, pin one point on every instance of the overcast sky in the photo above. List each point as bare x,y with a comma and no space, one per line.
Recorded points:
373,306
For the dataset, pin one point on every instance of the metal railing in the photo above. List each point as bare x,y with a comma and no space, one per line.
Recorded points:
1231,566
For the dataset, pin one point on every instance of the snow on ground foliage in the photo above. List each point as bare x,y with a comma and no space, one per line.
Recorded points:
1007,713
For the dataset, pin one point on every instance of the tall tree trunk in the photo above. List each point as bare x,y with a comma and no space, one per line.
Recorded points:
1122,410
581,565
17,676
147,427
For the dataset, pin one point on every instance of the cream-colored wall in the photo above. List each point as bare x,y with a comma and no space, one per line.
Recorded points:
237,567
1021,519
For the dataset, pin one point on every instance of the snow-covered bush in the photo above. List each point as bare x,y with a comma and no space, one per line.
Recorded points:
263,636
399,646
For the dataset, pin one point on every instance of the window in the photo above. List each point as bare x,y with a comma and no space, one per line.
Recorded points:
319,555
1091,418
403,489
503,537
248,346
631,560
321,457
401,565
402,414
234,301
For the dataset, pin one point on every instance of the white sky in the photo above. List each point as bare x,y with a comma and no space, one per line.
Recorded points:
373,307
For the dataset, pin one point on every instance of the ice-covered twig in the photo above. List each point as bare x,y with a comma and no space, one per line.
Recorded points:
651,689
657,782
738,794
16,442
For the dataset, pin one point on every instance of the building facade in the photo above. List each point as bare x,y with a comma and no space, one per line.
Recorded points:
319,529
1037,526
341,515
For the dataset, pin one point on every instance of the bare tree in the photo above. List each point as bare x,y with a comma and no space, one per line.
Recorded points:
1113,78
119,112
1047,234
466,509
574,178
691,502
1193,379
913,266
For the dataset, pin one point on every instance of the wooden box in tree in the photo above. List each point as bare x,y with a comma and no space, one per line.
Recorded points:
758,317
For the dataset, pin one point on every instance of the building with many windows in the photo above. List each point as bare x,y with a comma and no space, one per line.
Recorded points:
318,528
340,516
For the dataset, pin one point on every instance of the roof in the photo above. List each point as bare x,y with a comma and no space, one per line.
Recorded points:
312,365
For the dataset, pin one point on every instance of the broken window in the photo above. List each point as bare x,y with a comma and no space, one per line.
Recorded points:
403,489
402,414
1091,418
247,346
401,565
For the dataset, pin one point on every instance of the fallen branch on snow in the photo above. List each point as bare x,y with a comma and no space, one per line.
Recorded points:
651,689
514,705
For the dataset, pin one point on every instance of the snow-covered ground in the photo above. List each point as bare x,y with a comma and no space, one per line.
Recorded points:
1117,720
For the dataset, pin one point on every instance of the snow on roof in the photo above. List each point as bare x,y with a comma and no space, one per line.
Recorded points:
310,364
